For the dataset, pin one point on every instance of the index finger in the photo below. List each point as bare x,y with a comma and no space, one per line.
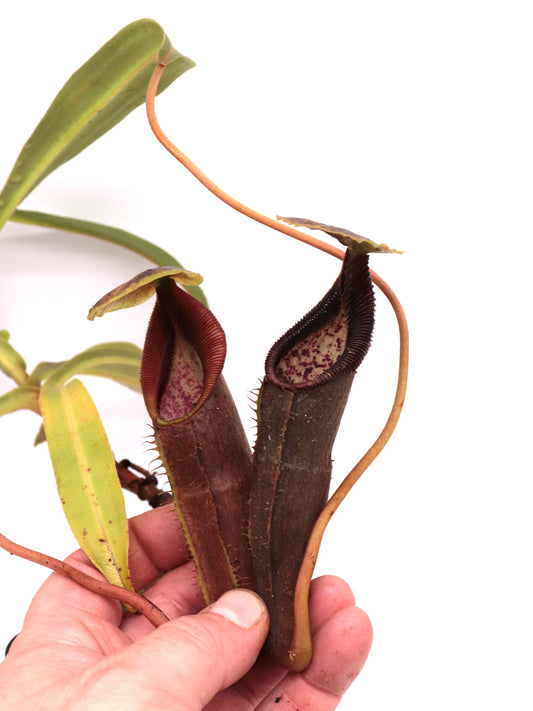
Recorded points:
157,545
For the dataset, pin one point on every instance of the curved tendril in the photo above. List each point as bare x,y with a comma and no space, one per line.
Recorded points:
336,499
212,187
315,539
387,431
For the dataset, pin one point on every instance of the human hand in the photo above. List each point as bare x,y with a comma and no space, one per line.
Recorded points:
77,650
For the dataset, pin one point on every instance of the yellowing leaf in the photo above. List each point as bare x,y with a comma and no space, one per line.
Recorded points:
86,478
23,398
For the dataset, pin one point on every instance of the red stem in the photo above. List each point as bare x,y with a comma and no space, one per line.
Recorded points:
128,597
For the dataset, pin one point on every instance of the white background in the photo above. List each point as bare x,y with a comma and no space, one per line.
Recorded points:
408,122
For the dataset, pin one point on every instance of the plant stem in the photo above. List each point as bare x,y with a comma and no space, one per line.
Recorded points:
101,587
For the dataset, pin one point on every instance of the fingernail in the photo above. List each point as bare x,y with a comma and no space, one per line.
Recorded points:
241,607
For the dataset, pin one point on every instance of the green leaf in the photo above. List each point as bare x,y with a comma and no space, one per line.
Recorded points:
86,478
101,93
11,362
126,374
117,360
140,288
42,371
23,398
110,234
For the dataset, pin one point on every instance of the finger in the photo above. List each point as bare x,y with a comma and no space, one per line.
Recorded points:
157,544
328,595
331,594
177,593
343,645
196,655
340,649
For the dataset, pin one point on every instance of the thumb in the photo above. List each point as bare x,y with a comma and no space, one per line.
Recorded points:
184,663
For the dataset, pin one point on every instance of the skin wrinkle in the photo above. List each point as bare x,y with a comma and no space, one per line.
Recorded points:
249,693
348,635
59,663
78,628
81,599
111,672
107,680
212,642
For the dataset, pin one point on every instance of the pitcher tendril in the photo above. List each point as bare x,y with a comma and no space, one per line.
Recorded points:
295,654
213,187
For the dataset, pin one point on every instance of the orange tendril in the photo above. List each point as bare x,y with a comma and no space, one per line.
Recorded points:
304,580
